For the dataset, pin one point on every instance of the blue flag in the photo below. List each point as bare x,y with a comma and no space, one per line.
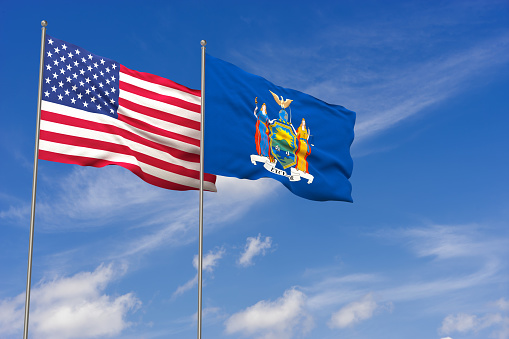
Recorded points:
255,129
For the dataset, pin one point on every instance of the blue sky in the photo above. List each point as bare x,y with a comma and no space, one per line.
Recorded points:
421,253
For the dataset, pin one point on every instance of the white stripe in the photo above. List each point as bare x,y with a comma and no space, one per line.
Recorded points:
161,106
105,120
78,113
168,126
116,139
115,157
172,92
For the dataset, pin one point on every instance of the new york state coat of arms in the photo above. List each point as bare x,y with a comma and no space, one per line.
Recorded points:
277,142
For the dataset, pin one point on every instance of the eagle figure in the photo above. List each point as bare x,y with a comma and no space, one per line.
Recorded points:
283,103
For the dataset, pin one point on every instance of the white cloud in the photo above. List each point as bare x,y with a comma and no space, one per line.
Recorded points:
186,287
354,312
71,307
502,304
209,262
210,259
459,323
11,315
254,246
278,319
471,323
235,197
324,293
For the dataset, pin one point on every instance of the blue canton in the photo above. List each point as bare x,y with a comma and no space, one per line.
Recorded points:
77,78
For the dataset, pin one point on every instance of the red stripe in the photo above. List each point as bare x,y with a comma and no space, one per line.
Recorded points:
156,130
84,161
76,122
154,113
119,149
159,80
159,97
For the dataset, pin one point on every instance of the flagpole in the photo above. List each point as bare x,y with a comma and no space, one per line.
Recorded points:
44,23
200,254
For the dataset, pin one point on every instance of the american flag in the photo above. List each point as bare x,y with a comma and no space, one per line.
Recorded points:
97,112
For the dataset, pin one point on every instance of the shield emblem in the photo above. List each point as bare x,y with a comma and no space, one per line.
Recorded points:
283,143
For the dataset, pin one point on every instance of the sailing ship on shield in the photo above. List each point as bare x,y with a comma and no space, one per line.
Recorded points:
279,143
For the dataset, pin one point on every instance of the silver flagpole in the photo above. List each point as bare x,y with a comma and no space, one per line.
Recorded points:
200,255
44,23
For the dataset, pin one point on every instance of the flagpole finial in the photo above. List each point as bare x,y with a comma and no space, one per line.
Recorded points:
203,42
44,23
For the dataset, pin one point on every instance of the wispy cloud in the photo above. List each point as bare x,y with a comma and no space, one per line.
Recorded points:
497,323
112,197
19,212
411,89
281,318
71,307
254,246
89,197
210,261
354,298
479,254
233,199
354,312
336,290
210,315
473,258
450,241
502,304
388,69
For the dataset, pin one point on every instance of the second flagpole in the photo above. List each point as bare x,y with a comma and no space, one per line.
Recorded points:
200,254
